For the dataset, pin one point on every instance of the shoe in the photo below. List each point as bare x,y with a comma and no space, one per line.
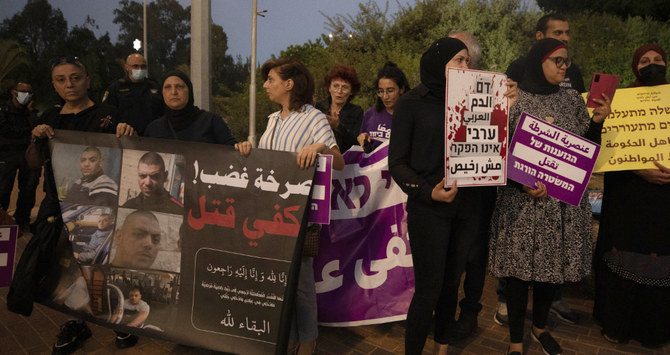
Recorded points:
549,345
464,327
501,317
125,340
563,312
72,335
611,339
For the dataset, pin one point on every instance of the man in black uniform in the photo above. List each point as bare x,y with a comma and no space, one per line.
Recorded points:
17,119
151,175
137,98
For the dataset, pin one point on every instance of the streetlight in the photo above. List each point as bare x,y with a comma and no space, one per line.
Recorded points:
252,84
137,44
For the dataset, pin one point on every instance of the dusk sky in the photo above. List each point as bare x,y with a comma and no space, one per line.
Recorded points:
287,22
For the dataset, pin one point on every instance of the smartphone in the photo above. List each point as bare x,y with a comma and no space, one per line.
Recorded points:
602,84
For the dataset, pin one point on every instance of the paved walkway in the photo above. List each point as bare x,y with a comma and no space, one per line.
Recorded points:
36,334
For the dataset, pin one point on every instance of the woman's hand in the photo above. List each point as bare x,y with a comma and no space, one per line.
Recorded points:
124,129
334,120
512,93
441,195
307,156
244,148
654,176
362,138
43,131
540,191
602,111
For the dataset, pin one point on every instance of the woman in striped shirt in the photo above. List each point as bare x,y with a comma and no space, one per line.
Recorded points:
298,127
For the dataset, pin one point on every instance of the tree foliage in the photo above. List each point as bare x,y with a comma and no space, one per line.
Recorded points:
655,9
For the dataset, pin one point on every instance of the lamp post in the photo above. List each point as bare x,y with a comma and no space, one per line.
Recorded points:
252,84
144,30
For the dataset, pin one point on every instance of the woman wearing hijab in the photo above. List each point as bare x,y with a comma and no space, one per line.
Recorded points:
185,121
438,219
632,257
538,240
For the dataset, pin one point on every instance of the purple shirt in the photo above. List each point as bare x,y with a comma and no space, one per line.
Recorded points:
377,125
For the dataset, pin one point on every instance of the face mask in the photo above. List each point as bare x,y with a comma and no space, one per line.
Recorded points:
139,74
23,97
652,74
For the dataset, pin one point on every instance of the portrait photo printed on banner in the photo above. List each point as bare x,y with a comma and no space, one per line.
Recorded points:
152,181
146,240
90,231
90,177
142,299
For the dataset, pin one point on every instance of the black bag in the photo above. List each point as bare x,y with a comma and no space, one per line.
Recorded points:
34,278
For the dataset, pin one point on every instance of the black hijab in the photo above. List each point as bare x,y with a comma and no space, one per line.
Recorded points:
180,119
534,80
435,59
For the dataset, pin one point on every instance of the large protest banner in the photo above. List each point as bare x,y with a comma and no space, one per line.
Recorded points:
207,237
563,161
364,269
637,132
475,127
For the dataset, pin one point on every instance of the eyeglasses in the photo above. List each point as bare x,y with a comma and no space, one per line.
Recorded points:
559,61
389,92
54,62
340,88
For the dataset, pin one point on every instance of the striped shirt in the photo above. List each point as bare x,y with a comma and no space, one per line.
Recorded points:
301,128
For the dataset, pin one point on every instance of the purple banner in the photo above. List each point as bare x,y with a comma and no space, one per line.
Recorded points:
364,269
319,211
8,235
561,160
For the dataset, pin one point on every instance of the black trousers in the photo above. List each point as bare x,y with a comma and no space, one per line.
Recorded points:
439,246
10,163
516,292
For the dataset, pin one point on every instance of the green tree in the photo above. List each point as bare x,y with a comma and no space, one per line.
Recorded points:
168,32
656,9
14,63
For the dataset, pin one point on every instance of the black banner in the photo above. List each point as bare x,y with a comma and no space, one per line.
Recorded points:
189,242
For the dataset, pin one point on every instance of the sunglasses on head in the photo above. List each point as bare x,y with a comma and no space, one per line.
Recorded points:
66,60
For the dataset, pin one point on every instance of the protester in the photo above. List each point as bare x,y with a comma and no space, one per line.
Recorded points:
151,177
94,187
17,119
136,96
344,117
476,258
632,257
438,219
185,121
537,240
301,128
554,26
375,129
78,113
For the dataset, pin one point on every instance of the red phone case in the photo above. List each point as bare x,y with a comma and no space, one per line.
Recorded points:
602,84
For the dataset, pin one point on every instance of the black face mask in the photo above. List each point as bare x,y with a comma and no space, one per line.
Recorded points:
652,74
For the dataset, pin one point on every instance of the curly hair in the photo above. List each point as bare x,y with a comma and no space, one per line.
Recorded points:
303,83
347,74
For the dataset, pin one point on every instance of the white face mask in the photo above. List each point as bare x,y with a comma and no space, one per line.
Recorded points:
139,74
23,97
